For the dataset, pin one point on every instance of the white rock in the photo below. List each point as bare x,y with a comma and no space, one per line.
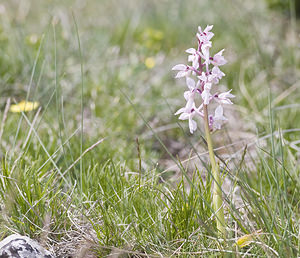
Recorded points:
17,246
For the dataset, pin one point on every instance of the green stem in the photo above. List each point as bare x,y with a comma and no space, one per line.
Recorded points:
217,191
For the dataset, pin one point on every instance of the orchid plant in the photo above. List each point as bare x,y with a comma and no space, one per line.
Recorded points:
201,75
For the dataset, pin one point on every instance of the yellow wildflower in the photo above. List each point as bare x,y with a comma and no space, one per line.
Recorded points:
150,62
24,106
247,239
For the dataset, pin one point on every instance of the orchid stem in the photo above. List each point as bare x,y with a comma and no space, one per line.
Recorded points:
217,191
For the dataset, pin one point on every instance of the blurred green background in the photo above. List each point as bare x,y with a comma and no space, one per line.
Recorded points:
128,49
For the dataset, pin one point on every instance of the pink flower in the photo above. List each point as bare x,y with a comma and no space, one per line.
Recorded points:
218,59
190,98
190,94
216,75
206,69
206,96
193,57
224,98
183,70
190,83
189,113
203,77
206,35
218,119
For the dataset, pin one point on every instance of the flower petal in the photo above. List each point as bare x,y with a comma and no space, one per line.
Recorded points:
192,125
219,111
190,83
206,97
179,67
181,74
179,111
191,51
184,116
208,28
24,106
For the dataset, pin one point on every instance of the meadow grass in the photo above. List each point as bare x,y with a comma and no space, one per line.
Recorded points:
104,168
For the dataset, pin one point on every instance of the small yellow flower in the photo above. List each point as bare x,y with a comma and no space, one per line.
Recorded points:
247,239
24,106
150,62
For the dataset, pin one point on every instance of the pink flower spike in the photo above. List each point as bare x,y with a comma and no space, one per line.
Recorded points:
224,98
202,75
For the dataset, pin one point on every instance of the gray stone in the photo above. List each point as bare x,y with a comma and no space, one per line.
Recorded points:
17,246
